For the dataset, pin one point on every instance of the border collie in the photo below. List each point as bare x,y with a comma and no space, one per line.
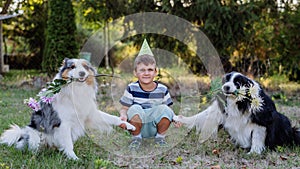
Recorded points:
72,110
247,114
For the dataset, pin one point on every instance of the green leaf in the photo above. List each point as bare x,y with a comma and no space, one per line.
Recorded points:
216,84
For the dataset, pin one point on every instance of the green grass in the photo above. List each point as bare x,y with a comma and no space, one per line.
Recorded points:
110,151
17,77
12,110
90,157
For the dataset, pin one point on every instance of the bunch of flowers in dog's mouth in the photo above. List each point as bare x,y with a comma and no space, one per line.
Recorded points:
250,93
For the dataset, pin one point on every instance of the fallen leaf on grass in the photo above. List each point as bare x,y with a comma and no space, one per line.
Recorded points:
244,167
292,154
283,158
216,151
215,167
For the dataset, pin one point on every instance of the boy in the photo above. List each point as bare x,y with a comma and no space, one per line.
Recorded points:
146,102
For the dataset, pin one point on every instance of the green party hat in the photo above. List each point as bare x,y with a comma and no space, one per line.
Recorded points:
145,49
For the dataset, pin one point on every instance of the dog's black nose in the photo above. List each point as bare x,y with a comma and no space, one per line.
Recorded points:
81,74
226,88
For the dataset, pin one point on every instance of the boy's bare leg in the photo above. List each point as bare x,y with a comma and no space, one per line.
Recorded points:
137,123
163,126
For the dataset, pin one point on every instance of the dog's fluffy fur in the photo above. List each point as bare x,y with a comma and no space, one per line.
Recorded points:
73,110
255,129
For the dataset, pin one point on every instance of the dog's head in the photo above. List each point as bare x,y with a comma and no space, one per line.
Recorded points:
234,81
247,93
77,69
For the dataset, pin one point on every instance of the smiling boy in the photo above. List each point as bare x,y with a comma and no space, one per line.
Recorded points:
145,103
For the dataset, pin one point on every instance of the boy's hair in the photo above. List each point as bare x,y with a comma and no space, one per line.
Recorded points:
145,59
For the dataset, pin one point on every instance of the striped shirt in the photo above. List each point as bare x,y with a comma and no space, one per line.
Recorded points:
134,94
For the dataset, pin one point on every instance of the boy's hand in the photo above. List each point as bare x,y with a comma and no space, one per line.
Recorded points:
123,113
123,117
177,124
176,121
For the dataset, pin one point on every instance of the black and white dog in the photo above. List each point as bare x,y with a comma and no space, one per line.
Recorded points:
72,110
249,116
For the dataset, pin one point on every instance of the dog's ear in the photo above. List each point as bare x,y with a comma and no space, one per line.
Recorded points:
224,78
64,61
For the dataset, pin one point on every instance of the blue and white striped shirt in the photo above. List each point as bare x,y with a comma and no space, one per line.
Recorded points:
134,94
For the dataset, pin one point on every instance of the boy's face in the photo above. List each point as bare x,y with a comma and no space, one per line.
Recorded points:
145,73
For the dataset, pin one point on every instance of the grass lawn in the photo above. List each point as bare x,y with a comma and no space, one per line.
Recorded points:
12,110
101,151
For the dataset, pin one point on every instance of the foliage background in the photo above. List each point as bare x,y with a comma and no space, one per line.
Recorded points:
259,38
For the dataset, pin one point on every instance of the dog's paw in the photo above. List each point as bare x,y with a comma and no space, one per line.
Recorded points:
71,155
256,149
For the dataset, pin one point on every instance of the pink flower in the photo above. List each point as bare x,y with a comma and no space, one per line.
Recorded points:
47,99
32,103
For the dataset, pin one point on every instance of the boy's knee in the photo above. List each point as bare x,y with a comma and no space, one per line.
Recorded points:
164,120
136,118
166,110
135,110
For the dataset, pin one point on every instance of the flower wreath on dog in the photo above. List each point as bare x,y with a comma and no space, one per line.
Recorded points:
46,95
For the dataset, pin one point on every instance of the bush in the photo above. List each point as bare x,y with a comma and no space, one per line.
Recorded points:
60,35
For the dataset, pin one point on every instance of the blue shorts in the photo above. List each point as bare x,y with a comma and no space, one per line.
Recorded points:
150,117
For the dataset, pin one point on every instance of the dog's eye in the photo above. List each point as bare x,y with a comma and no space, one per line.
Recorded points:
72,67
21,138
86,67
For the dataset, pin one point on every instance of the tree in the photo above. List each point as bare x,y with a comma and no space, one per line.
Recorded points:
32,27
258,37
288,41
60,35
224,22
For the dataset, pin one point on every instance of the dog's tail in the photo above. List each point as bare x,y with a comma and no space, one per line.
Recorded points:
21,137
206,122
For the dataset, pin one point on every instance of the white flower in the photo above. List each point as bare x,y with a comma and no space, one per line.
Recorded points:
256,104
254,90
241,93
32,103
